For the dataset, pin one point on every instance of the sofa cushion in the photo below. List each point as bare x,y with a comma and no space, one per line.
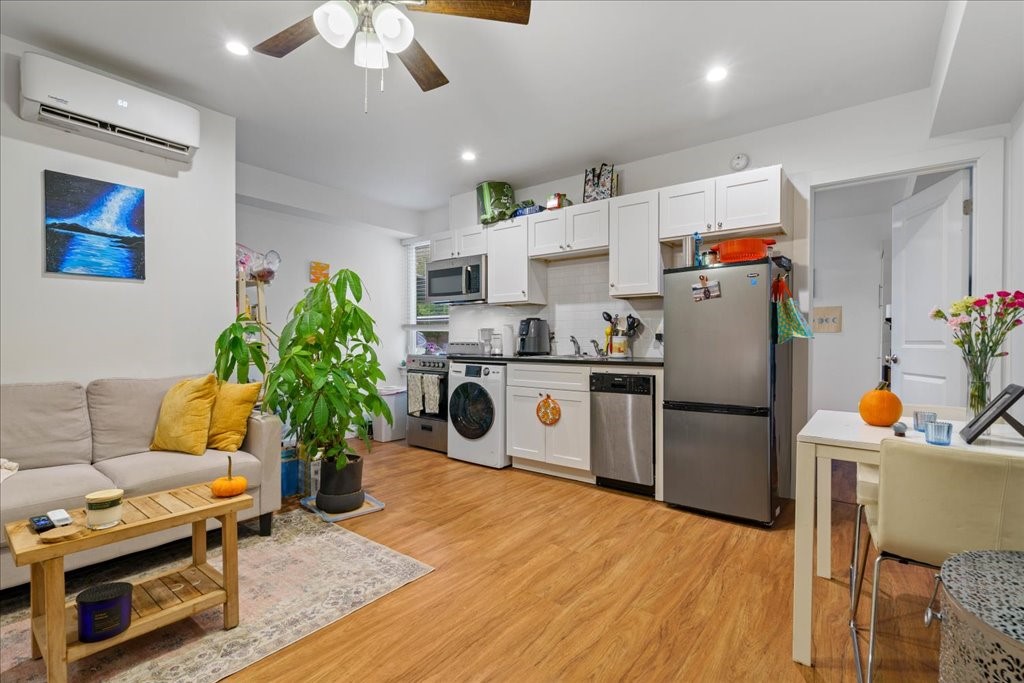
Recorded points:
124,413
37,491
42,425
184,422
152,471
231,413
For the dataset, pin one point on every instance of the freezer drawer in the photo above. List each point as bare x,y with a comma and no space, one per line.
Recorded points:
719,463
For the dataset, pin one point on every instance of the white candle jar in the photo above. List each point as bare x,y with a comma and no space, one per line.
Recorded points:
103,509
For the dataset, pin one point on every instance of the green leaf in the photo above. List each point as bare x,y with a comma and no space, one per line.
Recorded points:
321,414
356,285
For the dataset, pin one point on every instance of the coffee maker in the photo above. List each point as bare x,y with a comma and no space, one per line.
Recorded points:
534,337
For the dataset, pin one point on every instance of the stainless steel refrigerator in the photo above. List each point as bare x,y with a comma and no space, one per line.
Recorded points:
728,390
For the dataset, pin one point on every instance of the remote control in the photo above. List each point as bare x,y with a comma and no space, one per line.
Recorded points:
41,523
59,517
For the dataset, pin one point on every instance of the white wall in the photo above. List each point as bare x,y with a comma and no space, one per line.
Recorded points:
848,270
56,327
377,256
577,295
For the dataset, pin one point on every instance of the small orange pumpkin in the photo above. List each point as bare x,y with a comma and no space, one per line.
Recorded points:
226,487
880,407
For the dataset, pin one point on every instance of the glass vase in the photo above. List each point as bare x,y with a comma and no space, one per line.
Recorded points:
977,394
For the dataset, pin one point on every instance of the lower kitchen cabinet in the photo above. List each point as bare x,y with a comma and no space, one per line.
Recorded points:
565,443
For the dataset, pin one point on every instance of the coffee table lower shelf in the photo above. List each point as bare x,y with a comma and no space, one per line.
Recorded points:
156,602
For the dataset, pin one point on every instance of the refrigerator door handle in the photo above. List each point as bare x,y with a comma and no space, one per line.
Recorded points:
690,406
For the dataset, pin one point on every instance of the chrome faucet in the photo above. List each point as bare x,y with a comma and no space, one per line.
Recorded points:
575,346
597,348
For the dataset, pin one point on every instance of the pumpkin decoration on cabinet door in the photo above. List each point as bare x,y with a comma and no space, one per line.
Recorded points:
880,407
548,411
226,487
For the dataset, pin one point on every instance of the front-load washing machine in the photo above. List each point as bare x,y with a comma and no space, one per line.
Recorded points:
476,413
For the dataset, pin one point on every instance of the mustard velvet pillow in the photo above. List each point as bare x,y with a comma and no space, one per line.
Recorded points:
184,421
231,415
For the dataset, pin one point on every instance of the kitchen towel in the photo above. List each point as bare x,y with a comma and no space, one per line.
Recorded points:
432,394
414,382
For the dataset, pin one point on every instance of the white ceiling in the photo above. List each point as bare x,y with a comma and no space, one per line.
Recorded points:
585,82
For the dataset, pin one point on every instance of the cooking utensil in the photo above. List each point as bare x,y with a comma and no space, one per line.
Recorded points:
632,323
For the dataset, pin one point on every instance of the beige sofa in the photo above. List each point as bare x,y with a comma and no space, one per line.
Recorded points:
69,440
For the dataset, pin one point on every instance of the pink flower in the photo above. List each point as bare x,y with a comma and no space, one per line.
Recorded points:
981,303
1018,294
1003,293
990,296
1018,321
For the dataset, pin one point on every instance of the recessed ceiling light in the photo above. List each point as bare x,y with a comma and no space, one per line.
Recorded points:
469,156
717,74
237,48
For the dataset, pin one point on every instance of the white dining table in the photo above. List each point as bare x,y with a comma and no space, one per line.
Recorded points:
834,435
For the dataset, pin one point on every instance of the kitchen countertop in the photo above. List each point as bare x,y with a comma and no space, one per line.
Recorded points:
648,361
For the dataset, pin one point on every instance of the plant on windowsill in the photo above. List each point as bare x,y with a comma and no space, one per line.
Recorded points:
980,326
325,383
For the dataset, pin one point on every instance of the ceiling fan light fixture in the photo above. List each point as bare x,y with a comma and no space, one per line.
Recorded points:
336,21
393,28
370,53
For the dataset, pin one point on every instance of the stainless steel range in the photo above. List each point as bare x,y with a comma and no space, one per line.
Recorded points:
427,428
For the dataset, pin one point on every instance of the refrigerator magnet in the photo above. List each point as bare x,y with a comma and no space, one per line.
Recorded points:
706,289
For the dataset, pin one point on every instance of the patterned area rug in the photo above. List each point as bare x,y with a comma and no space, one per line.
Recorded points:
305,576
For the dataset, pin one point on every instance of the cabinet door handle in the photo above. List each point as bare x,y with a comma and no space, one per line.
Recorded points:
719,223
561,246
611,284
709,226
568,246
524,292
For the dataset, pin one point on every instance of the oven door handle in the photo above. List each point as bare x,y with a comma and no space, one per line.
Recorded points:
466,278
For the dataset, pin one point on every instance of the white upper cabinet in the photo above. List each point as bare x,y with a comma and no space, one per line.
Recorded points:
586,227
687,208
749,199
573,231
471,241
634,252
547,232
512,278
442,245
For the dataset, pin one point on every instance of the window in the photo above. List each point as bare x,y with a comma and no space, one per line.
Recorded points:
422,312
427,322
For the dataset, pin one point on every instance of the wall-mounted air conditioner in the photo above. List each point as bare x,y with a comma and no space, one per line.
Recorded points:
87,103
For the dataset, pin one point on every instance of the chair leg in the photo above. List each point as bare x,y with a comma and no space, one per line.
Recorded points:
874,618
266,523
854,552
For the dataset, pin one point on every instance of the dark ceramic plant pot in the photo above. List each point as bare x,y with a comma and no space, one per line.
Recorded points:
341,490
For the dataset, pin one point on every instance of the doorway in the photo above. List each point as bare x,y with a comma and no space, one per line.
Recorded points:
872,294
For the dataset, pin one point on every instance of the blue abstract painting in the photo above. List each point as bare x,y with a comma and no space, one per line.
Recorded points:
94,227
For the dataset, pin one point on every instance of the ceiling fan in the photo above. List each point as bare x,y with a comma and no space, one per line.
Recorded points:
380,28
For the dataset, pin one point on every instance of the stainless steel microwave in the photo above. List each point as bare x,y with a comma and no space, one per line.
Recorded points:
457,280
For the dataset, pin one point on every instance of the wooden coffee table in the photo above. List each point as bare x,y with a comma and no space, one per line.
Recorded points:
157,601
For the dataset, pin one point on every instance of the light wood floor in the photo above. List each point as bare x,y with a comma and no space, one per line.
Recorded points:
541,579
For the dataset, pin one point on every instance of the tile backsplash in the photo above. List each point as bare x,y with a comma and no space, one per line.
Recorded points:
577,294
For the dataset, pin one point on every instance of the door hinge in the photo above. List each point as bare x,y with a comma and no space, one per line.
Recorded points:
968,207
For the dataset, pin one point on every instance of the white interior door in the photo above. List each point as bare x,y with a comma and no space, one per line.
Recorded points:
930,267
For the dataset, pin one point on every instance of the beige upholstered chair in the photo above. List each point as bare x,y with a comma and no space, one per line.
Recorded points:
936,501
867,499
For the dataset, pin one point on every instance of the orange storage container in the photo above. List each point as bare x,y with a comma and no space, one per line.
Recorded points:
743,249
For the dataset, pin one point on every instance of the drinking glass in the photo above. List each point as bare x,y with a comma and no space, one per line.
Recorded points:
921,418
938,433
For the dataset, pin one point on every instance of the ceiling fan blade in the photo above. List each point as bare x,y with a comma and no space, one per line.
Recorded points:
513,11
294,36
422,67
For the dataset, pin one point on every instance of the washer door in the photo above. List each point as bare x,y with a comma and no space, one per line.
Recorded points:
471,410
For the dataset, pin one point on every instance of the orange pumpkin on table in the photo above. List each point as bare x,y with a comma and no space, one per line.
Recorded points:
880,407
226,487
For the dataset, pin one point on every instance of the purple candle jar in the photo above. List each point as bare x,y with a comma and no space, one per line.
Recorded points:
104,611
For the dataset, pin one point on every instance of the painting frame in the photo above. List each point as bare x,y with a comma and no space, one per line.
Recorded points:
93,228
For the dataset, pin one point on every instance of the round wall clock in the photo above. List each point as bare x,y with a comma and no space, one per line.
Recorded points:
739,162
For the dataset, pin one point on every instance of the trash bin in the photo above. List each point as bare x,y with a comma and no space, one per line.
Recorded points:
396,399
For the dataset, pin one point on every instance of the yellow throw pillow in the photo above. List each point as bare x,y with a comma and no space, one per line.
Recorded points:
231,415
184,421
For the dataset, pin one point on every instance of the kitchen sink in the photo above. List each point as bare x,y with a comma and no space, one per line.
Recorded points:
555,359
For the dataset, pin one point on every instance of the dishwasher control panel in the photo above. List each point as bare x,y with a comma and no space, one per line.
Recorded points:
621,384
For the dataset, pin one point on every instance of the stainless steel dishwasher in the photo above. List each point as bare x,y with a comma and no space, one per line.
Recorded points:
622,431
